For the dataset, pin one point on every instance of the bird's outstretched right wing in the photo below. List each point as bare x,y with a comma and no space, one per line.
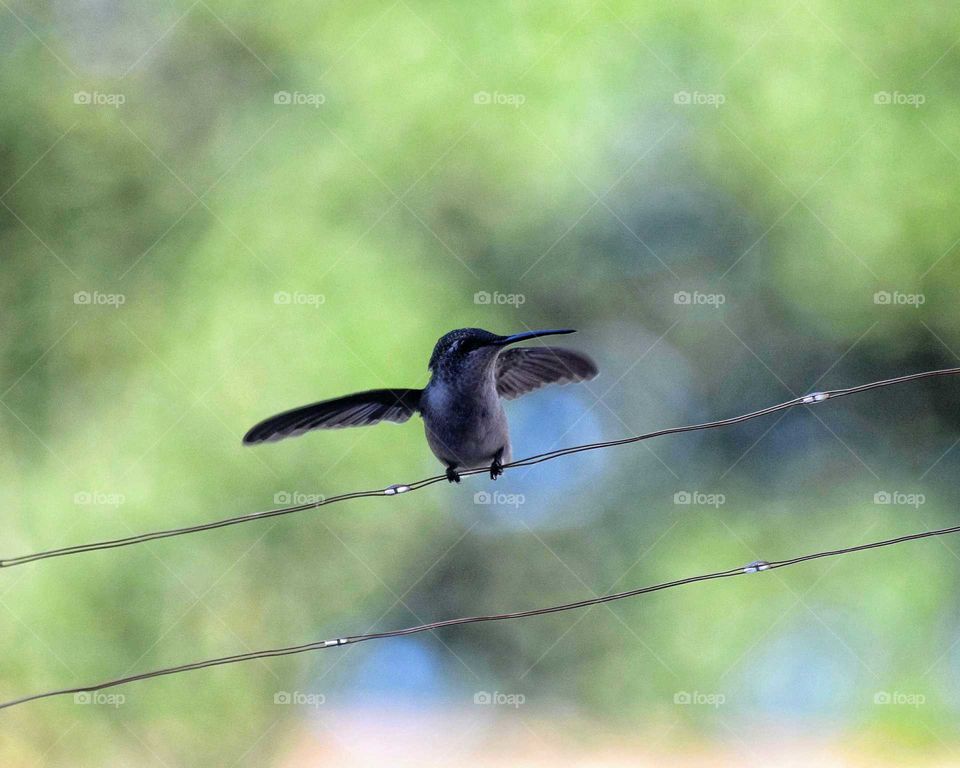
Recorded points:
354,410
524,369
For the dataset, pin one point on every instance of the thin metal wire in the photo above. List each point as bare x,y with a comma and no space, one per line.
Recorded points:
755,567
393,490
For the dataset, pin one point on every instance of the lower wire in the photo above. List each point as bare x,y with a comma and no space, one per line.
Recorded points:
754,567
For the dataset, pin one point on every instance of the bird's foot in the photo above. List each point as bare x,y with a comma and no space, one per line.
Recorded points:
452,475
496,467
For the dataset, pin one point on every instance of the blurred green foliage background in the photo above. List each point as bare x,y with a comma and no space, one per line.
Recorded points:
215,211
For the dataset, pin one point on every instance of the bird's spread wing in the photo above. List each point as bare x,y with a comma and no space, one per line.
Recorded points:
355,410
524,369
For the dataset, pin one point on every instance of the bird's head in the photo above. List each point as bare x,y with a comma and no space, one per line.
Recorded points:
468,348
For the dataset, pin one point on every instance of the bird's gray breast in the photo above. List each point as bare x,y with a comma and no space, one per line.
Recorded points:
465,427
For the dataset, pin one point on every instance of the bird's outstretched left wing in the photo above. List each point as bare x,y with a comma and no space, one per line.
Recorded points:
354,410
524,369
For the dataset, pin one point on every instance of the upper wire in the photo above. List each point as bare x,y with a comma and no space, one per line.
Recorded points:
396,489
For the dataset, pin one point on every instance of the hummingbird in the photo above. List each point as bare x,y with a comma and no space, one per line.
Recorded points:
472,371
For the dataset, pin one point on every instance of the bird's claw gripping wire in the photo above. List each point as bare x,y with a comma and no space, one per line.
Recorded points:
496,467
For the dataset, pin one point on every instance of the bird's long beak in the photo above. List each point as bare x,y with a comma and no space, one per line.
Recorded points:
504,340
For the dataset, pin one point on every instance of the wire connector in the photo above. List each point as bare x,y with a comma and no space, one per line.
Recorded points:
756,566
815,397
393,490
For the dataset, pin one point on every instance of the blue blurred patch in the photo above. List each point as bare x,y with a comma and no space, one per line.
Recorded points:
806,673
401,673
